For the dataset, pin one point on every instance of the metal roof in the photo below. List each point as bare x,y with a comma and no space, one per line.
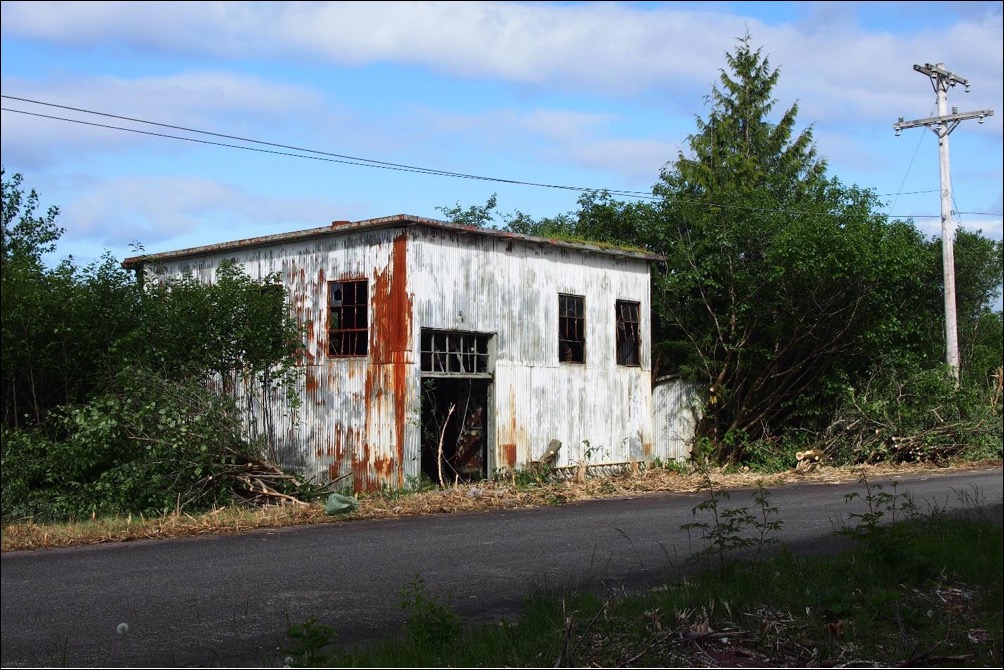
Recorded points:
396,221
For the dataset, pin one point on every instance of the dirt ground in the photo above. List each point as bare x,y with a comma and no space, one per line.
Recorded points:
505,493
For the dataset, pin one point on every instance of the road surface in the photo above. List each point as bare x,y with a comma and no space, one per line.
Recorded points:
227,600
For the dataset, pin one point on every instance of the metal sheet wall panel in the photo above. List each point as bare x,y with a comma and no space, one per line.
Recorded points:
677,410
360,415
510,287
352,419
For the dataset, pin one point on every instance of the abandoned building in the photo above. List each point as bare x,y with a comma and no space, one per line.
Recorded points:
451,351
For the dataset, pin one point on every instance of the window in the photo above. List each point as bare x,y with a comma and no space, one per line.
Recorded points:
455,353
348,318
628,333
571,328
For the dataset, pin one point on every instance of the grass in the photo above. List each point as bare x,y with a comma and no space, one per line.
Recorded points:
803,612
919,593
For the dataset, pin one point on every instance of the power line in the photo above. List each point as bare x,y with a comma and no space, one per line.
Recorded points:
331,157
300,151
909,167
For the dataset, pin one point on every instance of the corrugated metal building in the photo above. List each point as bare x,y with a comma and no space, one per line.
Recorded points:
421,333
678,406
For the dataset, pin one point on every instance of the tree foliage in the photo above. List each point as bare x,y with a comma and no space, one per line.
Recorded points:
780,282
783,289
144,444
102,374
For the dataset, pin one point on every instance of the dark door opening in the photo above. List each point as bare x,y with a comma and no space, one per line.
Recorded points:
455,429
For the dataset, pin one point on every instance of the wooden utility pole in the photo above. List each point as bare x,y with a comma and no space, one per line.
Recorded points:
942,125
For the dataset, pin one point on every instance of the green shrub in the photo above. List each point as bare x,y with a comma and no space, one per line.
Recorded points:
431,623
146,445
915,415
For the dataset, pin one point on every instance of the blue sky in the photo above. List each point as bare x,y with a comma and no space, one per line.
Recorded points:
591,95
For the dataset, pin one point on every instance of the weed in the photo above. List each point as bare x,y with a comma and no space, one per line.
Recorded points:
679,467
312,644
430,622
884,545
534,475
769,455
729,528
796,612
879,504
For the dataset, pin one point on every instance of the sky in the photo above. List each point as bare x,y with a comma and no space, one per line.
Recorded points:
297,114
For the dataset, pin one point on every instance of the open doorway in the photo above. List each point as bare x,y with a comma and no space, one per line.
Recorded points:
455,428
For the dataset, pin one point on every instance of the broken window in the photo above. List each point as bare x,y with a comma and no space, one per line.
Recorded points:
628,333
571,328
348,318
454,352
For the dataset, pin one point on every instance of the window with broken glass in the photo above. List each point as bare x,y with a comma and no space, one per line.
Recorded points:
628,333
348,318
450,352
571,328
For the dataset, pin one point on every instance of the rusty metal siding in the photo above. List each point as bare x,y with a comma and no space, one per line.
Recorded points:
510,287
354,415
677,410
362,415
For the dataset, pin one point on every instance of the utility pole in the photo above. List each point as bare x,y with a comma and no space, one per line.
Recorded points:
942,125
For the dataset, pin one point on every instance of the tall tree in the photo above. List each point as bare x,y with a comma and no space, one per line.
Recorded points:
780,283
782,289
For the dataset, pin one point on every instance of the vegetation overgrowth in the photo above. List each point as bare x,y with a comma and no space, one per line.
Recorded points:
810,321
809,318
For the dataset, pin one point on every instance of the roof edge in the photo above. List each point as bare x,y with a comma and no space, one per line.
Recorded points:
395,221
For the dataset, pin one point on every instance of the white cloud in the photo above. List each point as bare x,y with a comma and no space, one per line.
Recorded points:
610,44
191,100
197,28
553,137
117,212
993,229
639,160
844,75
841,70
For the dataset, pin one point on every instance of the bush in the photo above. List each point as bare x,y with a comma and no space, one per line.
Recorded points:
146,445
917,415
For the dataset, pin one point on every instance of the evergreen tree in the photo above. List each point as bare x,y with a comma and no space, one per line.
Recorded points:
780,284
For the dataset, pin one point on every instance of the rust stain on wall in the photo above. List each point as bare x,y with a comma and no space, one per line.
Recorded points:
390,338
361,479
339,432
390,346
384,467
513,437
310,381
297,283
509,455
309,336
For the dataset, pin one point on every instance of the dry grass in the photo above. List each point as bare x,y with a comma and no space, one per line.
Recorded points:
482,496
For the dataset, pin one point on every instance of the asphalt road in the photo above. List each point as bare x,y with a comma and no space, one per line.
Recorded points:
228,600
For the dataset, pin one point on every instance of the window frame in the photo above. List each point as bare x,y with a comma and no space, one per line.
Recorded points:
351,341
628,337
456,353
571,328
